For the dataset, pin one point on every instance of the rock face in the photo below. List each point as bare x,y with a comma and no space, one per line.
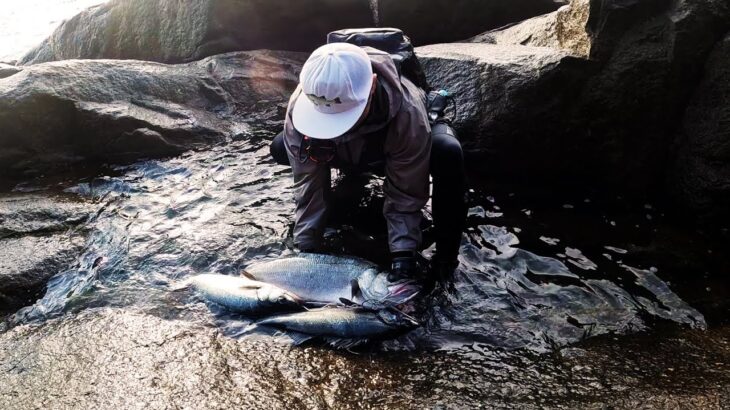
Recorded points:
35,243
121,110
171,31
702,172
613,121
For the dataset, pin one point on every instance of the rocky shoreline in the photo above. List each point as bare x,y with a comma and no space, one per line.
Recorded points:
628,97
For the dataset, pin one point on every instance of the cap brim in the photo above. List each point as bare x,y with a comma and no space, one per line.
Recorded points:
314,124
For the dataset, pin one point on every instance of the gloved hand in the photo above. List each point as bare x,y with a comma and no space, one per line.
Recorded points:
404,266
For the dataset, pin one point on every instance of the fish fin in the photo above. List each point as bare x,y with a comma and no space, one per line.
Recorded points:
247,275
249,287
347,302
181,285
250,328
345,344
298,338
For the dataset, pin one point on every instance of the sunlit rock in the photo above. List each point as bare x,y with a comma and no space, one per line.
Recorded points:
562,29
173,31
122,110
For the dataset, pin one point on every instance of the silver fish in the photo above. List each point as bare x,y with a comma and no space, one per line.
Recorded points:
329,279
245,295
340,323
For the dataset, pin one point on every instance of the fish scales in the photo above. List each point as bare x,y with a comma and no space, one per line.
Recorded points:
244,295
318,278
333,322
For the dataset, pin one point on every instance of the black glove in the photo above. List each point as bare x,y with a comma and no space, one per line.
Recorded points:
404,266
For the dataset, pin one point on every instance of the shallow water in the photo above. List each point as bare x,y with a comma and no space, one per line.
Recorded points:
533,274
560,300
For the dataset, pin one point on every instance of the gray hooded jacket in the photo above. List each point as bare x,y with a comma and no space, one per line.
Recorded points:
407,149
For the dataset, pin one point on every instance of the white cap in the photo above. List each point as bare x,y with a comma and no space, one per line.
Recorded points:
336,81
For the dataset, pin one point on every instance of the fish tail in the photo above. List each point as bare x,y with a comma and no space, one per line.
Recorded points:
181,285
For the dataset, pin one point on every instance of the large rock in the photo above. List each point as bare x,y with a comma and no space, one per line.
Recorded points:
511,101
701,177
172,31
436,21
36,242
612,124
121,110
652,55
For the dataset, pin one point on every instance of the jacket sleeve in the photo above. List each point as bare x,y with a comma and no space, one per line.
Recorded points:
312,186
408,151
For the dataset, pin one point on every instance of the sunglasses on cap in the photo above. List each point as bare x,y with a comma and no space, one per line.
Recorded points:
317,150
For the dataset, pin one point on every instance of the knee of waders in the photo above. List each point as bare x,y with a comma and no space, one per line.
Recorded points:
445,148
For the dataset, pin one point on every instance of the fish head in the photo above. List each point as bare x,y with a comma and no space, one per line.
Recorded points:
279,297
376,289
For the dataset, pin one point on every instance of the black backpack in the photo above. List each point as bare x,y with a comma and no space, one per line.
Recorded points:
391,41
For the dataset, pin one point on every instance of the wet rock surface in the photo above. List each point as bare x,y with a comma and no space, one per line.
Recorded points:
537,276
120,110
28,263
38,239
110,357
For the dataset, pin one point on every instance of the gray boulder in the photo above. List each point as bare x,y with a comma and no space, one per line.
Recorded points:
172,31
511,101
36,242
701,177
613,119
111,110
